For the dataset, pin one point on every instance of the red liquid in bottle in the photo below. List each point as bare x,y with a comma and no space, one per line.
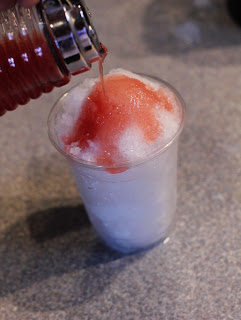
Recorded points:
27,69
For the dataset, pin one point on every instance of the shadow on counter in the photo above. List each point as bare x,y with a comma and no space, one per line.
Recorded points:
53,260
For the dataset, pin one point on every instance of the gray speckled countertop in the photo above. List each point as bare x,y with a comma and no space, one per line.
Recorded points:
52,267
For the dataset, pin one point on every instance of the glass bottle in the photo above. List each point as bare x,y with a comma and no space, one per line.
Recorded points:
41,47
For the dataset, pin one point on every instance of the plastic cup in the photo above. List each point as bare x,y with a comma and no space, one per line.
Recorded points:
131,210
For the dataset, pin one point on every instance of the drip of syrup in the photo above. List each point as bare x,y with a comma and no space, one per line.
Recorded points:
103,54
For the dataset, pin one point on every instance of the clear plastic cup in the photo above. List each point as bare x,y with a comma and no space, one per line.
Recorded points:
131,210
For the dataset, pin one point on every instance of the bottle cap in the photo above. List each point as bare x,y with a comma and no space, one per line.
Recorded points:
68,24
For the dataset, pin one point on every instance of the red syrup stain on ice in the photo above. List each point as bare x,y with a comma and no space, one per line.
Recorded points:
105,115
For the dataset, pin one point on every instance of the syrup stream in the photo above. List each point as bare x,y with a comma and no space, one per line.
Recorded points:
103,54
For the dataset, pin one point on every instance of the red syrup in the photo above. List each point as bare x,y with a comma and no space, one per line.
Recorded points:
103,54
106,114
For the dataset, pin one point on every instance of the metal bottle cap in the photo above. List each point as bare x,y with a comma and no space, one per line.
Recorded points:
68,23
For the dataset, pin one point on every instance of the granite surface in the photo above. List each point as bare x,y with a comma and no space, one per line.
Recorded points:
52,267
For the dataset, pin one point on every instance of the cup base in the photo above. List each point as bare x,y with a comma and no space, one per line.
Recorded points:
131,250
135,248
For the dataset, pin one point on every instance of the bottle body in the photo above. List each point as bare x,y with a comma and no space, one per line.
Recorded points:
31,59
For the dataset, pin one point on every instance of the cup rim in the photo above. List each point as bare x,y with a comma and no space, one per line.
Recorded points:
124,164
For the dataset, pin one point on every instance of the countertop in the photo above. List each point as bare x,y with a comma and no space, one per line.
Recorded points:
52,266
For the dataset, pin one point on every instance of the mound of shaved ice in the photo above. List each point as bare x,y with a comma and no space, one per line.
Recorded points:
127,121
